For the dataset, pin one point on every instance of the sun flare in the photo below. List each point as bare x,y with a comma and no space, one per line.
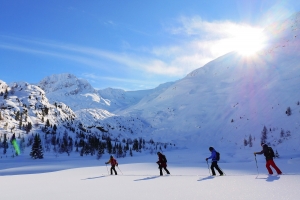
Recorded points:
248,41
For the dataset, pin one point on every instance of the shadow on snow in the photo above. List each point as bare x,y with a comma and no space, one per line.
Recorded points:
147,178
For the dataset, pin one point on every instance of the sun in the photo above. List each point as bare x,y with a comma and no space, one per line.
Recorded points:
248,41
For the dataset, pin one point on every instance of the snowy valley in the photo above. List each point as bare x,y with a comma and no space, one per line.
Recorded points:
232,103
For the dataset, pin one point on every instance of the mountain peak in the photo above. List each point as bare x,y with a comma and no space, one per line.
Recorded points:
66,83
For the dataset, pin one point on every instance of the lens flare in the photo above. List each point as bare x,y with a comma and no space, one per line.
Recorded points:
249,41
16,146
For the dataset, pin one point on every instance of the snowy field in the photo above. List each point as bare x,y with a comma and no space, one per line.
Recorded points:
87,178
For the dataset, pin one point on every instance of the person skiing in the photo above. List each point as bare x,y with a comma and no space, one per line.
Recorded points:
269,158
162,163
113,162
214,163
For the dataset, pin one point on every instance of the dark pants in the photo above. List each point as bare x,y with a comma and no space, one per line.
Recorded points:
165,168
214,164
111,170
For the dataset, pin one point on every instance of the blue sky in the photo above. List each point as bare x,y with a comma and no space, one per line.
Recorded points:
132,45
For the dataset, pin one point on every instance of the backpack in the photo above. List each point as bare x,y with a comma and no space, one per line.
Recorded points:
164,158
271,152
113,161
217,156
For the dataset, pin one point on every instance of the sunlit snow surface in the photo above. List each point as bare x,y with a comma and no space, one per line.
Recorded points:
87,178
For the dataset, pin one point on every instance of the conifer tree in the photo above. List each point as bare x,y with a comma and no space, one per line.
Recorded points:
20,122
70,145
28,127
4,144
250,141
119,150
114,150
135,146
37,150
264,135
109,145
245,142
5,94
288,111
100,151
54,128
47,123
276,154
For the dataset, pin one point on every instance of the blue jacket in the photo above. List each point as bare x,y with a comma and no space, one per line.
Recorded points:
213,156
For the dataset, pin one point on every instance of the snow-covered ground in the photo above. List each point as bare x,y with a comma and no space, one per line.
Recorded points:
87,178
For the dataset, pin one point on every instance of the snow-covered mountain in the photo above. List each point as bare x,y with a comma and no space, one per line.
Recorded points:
228,102
25,108
79,94
233,97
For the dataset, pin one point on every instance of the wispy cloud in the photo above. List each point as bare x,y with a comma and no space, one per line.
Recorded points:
120,82
203,41
199,42
96,77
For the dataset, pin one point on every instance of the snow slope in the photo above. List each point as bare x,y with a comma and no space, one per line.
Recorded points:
234,97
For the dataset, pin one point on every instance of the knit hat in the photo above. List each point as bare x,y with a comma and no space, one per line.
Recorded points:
210,148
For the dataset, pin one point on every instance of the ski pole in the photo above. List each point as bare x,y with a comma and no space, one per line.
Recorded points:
120,169
107,169
256,164
208,168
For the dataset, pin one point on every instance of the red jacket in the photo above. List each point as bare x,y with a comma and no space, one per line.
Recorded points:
112,162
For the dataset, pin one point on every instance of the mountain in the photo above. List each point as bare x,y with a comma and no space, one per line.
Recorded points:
25,108
79,94
232,98
233,102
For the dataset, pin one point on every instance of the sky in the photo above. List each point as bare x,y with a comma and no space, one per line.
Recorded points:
131,45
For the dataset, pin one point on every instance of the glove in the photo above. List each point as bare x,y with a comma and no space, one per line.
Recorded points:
106,163
206,159
255,153
117,164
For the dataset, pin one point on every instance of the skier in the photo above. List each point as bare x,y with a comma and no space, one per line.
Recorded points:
214,163
162,163
269,159
113,162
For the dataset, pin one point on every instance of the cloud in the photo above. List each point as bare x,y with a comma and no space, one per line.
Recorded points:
203,41
197,42
120,82
95,77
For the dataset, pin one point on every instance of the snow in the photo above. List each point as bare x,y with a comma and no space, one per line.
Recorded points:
220,104
87,178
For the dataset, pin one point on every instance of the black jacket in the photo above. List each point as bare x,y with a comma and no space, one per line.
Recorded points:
265,151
